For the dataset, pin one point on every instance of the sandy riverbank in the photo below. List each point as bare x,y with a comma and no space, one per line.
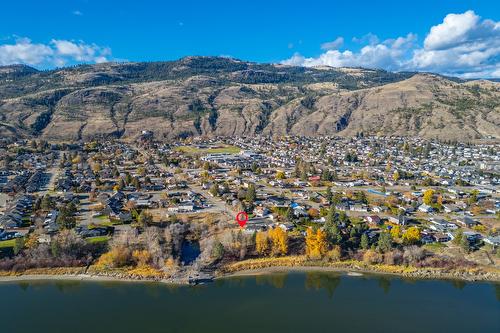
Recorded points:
422,274
74,277
362,272
290,264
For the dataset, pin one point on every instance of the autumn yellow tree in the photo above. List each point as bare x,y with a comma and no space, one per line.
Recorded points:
316,243
77,159
310,242
142,257
262,242
313,213
396,175
322,242
31,241
279,241
280,175
204,174
428,196
411,235
396,232
476,210
440,200
96,167
388,166
116,257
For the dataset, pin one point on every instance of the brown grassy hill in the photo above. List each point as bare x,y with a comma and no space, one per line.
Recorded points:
218,96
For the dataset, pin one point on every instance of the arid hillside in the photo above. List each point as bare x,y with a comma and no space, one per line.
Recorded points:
220,96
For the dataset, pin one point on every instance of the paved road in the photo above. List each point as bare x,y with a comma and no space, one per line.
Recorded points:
53,173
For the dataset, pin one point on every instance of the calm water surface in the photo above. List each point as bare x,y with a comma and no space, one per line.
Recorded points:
294,302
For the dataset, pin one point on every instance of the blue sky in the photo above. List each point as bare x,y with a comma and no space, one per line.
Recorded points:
262,31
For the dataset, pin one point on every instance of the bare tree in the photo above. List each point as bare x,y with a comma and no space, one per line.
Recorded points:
152,239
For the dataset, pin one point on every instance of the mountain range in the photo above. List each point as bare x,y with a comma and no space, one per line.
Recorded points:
216,96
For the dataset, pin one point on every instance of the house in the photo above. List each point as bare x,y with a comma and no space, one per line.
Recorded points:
441,224
441,237
50,220
261,211
11,220
492,240
425,208
472,237
401,220
359,208
286,226
143,203
373,219
277,202
186,206
379,209
299,183
314,178
372,234
450,208
85,232
299,212
427,239
343,206
467,222
123,217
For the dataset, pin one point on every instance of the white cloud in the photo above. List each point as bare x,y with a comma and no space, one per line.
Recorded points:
56,53
383,55
80,51
77,13
462,45
23,51
333,45
368,38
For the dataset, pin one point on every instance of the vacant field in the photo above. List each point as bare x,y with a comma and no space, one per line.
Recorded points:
210,150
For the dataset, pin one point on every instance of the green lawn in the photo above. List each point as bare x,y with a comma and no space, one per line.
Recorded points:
103,219
435,246
193,150
98,239
7,243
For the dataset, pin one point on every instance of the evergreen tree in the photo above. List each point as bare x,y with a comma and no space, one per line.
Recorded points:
385,242
251,194
136,183
18,245
465,244
214,190
329,195
289,214
65,219
365,244
47,203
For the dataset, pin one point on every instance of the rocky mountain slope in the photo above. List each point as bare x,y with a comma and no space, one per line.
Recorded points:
220,96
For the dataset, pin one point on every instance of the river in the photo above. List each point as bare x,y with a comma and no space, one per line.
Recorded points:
280,302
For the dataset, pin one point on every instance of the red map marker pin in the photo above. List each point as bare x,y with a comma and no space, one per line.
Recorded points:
242,218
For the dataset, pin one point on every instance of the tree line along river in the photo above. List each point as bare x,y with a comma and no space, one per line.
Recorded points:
278,302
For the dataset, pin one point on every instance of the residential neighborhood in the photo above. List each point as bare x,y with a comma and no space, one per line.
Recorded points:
357,189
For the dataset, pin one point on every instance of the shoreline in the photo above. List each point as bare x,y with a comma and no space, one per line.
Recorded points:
353,271
79,277
359,272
